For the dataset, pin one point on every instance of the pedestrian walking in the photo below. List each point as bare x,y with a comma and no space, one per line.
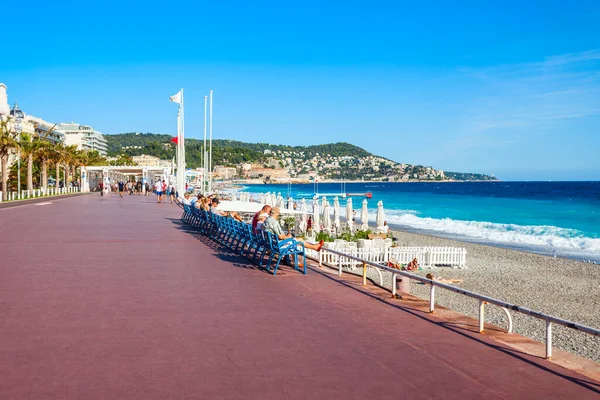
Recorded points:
159,192
172,193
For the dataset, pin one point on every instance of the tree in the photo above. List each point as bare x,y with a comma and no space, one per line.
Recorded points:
29,145
7,144
45,153
94,158
58,157
124,160
69,158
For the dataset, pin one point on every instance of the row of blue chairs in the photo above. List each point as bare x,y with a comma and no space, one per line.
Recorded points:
242,239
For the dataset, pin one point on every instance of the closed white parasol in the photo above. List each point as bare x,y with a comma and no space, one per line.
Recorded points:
316,223
380,218
349,212
336,214
304,220
364,216
326,218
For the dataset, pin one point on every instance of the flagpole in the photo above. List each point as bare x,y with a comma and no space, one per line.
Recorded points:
177,154
210,151
204,178
182,143
180,149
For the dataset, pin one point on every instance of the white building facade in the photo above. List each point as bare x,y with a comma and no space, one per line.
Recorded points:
83,136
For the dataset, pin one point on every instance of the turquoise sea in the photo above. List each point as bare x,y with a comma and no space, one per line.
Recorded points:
554,218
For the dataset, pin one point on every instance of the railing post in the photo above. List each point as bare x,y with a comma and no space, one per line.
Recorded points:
339,265
481,315
548,339
394,286
320,259
364,274
510,324
431,298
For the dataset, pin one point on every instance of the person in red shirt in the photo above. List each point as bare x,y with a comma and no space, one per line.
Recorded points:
164,190
260,216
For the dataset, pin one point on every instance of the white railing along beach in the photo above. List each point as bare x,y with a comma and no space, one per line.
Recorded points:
427,256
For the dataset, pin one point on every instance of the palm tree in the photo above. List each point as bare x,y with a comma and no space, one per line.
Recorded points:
7,144
45,153
29,145
69,157
57,157
79,158
94,158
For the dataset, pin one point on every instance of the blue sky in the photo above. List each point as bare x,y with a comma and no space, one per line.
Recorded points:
510,88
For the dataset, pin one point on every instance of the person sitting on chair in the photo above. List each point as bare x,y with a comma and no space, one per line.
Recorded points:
260,217
214,209
272,225
185,200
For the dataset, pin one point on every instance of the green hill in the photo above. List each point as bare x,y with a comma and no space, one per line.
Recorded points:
227,152
333,160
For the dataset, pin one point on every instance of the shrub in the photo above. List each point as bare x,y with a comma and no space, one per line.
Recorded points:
324,236
362,234
289,223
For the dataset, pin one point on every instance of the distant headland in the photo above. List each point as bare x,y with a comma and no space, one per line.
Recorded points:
265,162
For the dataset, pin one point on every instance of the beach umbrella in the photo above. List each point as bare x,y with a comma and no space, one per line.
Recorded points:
261,198
326,218
304,218
323,201
364,216
280,202
273,200
290,203
380,218
316,224
349,213
233,198
336,214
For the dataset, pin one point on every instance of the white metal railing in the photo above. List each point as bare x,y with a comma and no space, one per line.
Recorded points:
343,259
428,257
32,194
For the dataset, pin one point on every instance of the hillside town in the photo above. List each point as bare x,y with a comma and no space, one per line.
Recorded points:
299,166
286,166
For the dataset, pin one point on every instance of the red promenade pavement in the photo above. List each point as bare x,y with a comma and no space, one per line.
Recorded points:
103,298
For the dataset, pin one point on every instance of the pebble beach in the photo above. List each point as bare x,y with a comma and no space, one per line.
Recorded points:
560,287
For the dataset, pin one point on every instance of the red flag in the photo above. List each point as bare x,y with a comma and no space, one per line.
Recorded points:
175,140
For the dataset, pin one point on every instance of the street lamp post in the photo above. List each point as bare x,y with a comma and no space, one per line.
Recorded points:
18,116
